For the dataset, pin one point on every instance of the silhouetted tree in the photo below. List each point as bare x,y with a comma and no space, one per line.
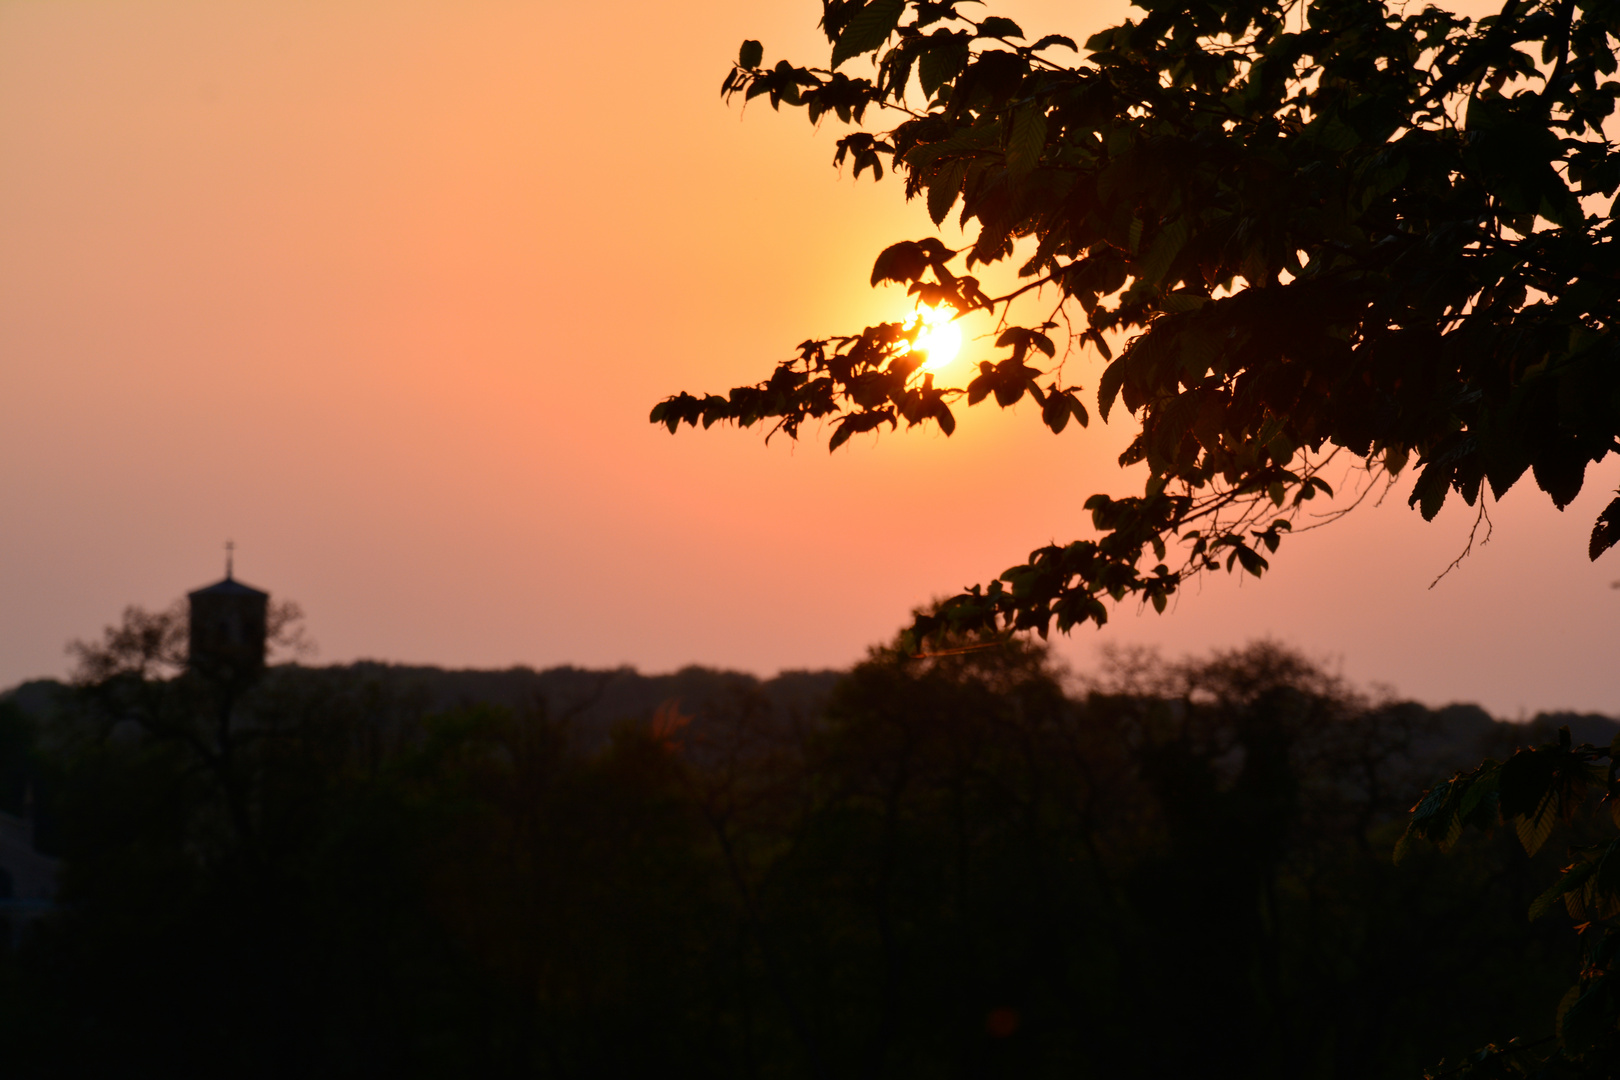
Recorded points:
1326,226
970,864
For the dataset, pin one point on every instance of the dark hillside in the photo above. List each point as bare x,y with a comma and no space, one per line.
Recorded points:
960,867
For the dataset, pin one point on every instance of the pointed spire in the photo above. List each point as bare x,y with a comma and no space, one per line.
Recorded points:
230,554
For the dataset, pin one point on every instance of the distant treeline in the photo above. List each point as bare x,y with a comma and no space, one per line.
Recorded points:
966,866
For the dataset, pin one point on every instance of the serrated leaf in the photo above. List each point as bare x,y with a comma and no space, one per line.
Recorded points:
1560,471
1182,300
1027,140
1534,829
943,189
1572,879
1153,266
1113,377
1606,533
903,262
942,61
1429,493
868,30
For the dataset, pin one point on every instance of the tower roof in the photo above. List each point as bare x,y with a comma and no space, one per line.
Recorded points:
229,587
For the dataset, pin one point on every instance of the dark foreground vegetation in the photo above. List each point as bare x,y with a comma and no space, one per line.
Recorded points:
964,866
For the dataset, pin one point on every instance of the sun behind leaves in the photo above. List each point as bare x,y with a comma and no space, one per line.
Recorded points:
1319,229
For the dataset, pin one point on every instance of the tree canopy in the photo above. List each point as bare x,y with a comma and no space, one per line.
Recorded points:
1317,229
964,865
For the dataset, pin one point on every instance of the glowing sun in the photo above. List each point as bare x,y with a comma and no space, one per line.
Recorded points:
940,338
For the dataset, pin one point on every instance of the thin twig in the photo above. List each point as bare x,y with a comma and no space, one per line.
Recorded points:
1484,516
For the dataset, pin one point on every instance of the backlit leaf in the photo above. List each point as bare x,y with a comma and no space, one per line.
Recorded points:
1027,140
1113,377
1534,828
944,188
868,30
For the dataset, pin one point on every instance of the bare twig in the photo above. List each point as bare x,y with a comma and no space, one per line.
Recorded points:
1484,516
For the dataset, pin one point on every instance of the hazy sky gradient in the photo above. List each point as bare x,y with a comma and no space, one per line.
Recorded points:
384,291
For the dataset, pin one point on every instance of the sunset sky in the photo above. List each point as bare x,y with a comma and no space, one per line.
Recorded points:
384,289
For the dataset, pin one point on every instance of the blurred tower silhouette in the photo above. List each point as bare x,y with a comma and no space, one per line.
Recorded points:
228,629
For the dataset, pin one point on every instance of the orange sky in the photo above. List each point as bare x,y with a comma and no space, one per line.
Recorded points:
384,291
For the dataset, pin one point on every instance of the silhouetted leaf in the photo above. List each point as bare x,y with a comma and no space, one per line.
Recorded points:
1054,39
943,58
1560,471
1429,493
1113,377
868,30
903,262
1606,532
1027,140
943,189
996,26
1055,412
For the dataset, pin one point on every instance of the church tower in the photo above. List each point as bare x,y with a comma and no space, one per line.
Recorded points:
228,628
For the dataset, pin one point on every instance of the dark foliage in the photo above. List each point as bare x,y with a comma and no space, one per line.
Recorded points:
1327,226
961,866
1568,788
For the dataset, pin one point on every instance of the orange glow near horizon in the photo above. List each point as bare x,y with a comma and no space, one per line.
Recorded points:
385,292
940,339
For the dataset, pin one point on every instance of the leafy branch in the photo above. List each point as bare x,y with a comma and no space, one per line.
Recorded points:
1316,227
1533,792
